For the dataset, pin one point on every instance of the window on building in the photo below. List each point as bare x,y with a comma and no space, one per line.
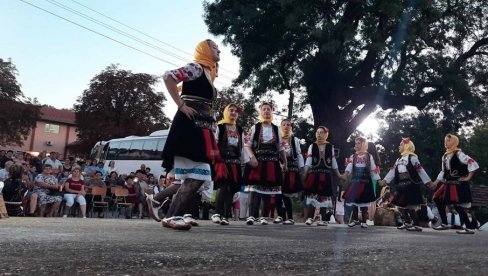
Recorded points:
50,128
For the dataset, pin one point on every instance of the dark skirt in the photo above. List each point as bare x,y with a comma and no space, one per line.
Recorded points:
192,139
233,179
267,174
454,192
407,194
319,182
361,189
292,182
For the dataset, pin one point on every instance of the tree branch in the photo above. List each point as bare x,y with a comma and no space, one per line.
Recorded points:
472,51
360,116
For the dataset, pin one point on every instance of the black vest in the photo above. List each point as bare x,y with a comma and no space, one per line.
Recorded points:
316,161
414,176
200,87
256,144
294,154
457,170
225,149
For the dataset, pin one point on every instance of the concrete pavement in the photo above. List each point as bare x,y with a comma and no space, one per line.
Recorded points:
134,247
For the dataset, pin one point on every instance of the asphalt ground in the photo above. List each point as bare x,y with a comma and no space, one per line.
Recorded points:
56,246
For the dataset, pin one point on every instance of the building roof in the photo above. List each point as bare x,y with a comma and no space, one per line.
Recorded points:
54,115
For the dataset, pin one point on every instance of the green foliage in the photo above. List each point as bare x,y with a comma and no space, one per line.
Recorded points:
119,103
423,130
477,147
9,87
17,115
248,114
351,56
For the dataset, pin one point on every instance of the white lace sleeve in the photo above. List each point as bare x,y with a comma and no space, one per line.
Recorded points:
308,163
465,159
188,72
420,170
299,153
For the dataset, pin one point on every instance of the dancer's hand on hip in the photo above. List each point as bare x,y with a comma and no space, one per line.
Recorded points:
188,111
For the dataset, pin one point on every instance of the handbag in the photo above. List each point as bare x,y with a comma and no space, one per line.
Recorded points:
384,217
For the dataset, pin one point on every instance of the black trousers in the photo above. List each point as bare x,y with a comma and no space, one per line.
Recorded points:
311,212
186,199
288,207
409,216
364,213
255,203
463,216
168,192
223,202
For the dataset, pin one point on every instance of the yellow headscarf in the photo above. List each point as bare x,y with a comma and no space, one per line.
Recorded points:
455,144
203,55
323,140
364,146
227,119
286,134
408,147
261,118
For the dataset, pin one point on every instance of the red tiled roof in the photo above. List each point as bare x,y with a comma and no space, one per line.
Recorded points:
57,116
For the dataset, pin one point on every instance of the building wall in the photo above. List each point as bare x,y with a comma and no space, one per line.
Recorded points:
37,141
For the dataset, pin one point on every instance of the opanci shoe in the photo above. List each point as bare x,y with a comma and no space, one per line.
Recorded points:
353,223
278,219
189,219
321,223
177,223
288,222
216,219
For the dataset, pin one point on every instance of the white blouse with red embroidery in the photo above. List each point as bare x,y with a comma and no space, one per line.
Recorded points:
267,137
288,150
308,162
189,72
361,163
464,158
402,163
233,140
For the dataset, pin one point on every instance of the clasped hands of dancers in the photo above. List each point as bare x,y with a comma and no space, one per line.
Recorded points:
200,152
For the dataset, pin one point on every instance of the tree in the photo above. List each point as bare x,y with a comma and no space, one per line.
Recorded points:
119,103
350,57
248,114
18,115
477,148
426,132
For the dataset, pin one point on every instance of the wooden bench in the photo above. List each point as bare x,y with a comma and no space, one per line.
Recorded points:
480,195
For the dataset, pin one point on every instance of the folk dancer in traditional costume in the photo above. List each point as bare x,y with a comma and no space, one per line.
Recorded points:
230,139
407,175
360,192
318,185
292,180
158,201
457,170
191,148
263,173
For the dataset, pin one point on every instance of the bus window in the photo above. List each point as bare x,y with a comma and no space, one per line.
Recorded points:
113,150
149,150
136,150
124,150
103,154
159,152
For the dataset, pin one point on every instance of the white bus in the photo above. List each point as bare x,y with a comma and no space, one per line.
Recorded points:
132,151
